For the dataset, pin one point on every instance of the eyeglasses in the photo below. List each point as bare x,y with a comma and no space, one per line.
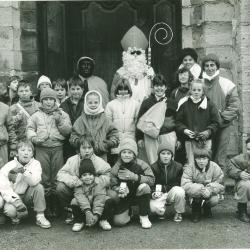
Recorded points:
138,52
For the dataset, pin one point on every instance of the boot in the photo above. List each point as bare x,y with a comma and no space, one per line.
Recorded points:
196,210
207,210
242,212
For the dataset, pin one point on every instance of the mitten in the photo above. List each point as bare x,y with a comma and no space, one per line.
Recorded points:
21,209
89,217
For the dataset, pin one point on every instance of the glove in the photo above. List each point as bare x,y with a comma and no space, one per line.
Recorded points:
109,144
57,116
127,175
206,193
204,135
37,141
89,218
21,209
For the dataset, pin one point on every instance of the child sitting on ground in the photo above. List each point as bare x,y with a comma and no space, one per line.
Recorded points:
61,87
94,122
24,173
91,204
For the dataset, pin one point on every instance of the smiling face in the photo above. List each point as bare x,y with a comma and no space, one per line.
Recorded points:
202,161
24,153
127,155
196,90
188,61
210,68
159,90
24,93
93,101
75,92
60,92
48,102
183,78
87,178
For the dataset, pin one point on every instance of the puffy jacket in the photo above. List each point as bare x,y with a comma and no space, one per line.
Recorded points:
69,173
99,127
91,197
238,164
123,113
7,129
193,179
223,93
44,127
30,177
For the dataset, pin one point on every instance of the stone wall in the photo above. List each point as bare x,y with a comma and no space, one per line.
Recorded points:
222,27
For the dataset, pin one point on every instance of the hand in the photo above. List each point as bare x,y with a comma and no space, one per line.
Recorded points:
244,176
205,134
126,175
95,219
77,182
109,144
189,133
156,195
141,144
13,153
178,145
37,141
57,116
18,117
205,192
89,218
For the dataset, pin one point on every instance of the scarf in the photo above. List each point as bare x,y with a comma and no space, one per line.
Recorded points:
49,111
209,78
96,111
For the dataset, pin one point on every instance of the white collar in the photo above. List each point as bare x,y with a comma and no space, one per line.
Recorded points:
205,76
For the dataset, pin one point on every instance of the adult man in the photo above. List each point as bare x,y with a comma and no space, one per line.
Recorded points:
239,169
135,68
223,93
84,68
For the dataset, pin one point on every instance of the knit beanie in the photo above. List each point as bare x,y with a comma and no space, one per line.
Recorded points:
47,93
211,57
165,146
86,166
43,79
202,152
128,143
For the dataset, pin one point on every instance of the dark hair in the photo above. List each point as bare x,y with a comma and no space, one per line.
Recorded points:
159,79
60,82
26,143
23,83
247,140
75,81
86,139
123,84
202,152
189,52
183,70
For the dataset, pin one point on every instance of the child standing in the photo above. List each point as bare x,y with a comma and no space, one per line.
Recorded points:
43,83
47,129
94,122
23,109
61,88
91,204
131,179
197,120
122,111
24,173
189,60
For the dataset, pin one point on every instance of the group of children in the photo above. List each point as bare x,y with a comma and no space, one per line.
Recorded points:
64,141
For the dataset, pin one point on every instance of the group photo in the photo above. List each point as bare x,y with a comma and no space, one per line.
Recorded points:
124,124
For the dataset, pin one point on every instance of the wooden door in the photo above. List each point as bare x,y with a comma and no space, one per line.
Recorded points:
95,29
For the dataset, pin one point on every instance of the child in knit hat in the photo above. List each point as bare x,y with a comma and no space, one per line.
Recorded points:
47,129
131,179
24,176
167,174
42,83
91,204
94,122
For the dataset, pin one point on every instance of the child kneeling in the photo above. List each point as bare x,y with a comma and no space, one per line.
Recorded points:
131,178
91,204
24,174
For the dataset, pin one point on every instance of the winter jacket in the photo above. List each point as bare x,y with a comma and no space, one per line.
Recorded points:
223,93
123,113
99,127
44,127
20,117
30,177
74,111
193,179
195,118
238,164
147,104
7,129
179,93
139,167
167,176
91,197
69,173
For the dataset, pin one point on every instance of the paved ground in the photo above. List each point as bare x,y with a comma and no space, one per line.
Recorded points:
222,231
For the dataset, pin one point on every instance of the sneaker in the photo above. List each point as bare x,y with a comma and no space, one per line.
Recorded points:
104,224
77,227
42,222
178,217
145,222
15,221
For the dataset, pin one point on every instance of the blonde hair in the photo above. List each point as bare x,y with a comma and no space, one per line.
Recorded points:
200,81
